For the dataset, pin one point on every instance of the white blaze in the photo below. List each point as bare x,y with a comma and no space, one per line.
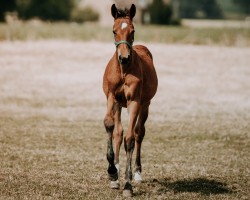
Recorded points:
124,25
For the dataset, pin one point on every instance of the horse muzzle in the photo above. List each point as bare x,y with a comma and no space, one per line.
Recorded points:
124,51
124,60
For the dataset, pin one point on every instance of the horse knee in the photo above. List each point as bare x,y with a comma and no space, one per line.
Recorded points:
118,135
109,124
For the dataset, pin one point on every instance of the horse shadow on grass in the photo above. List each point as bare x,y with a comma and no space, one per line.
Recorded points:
201,186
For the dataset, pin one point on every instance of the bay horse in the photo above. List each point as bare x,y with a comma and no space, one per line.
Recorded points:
129,81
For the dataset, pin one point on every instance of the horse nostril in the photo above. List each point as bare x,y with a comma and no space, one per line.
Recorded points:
124,60
120,58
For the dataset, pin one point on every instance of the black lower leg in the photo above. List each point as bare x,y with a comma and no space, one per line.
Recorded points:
140,132
129,147
112,171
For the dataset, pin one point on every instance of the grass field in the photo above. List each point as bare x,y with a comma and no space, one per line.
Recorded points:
225,33
52,139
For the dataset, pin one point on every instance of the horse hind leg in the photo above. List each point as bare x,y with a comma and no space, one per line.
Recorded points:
139,135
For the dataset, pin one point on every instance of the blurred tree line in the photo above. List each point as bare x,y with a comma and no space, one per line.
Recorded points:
54,10
244,4
158,11
162,13
45,9
209,9
6,6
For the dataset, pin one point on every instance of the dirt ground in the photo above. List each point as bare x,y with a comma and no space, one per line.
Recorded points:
202,108
191,79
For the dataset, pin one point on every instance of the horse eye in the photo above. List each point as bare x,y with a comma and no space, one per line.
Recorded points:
114,32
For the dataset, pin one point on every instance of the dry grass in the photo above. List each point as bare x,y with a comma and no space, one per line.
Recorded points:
199,35
52,139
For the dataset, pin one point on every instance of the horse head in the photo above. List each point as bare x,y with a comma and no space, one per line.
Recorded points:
123,30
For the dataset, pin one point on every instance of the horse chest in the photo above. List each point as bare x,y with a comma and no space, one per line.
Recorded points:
126,91
121,94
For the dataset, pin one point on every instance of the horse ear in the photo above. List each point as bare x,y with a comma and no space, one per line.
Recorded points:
132,11
114,11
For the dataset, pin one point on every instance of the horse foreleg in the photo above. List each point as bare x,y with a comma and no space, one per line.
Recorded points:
129,144
109,125
117,138
139,135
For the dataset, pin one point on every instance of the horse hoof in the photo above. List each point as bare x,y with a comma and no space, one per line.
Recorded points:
114,184
112,173
137,177
127,191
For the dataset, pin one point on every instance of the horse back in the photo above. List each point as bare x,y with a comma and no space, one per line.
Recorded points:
150,80
143,51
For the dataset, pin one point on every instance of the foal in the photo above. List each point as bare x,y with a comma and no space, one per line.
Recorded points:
130,81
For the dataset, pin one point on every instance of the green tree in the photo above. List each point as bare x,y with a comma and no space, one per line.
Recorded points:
211,9
46,9
6,6
188,8
244,4
191,8
81,15
160,13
